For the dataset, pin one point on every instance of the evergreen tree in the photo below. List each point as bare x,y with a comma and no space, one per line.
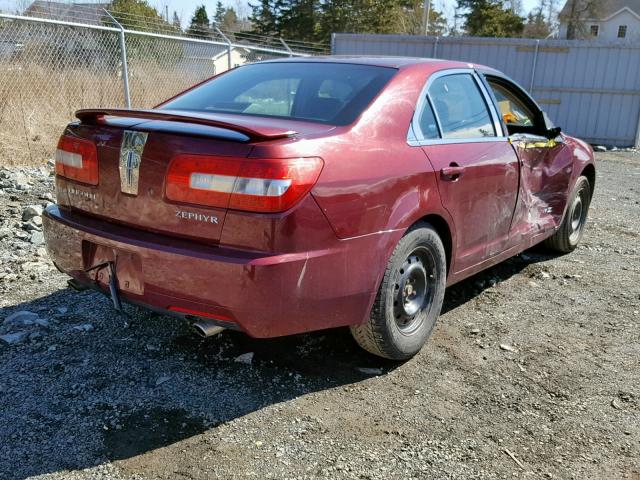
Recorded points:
299,19
176,21
220,12
359,16
265,17
137,15
199,26
316,20
230,20
490,18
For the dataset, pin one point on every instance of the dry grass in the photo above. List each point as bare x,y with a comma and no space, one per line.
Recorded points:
36,102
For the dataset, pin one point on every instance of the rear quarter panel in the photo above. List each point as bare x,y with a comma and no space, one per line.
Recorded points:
372,180
373,184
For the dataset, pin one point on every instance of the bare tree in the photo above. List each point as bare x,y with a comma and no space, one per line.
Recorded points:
537,25
21,6
578,12
546,11
552,10
515,6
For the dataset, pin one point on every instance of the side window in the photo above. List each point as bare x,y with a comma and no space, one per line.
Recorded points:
513,110
460,107
427,121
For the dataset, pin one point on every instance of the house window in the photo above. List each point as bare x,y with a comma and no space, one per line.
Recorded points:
622,31
594,30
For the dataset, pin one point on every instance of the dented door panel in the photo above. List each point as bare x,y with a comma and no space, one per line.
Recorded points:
546,167
482,200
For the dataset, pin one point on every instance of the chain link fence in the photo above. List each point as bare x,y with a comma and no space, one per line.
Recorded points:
51,68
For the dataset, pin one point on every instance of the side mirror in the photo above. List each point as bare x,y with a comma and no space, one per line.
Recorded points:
551,131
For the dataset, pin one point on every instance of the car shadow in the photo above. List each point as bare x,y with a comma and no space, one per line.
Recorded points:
100,386
473,286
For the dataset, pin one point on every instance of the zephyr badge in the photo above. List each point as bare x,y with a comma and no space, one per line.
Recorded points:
130,159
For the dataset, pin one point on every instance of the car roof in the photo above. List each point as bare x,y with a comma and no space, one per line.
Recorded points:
385,61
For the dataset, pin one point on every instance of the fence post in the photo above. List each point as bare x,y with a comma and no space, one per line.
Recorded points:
637,144
224,37
123,54
284,44
435,47
535,64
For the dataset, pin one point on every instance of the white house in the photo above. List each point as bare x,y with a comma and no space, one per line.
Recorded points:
617,20
221,60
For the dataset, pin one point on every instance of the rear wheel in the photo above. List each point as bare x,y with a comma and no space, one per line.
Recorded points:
409,298
568,236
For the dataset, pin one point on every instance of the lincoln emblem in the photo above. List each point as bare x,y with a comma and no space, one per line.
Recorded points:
130,159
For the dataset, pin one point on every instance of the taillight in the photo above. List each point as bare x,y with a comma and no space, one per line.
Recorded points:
77,159
255,185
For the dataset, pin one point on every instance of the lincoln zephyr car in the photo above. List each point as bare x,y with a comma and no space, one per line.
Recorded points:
296,195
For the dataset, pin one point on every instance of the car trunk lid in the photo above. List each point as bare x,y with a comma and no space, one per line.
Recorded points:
134,149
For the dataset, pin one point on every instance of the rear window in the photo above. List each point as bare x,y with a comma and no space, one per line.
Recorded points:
331,93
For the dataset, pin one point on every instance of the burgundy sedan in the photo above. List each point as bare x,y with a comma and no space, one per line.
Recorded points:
297,195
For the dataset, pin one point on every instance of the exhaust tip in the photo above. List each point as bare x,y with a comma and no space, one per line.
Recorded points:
206,329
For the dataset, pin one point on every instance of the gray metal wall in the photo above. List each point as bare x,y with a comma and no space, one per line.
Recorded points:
591,90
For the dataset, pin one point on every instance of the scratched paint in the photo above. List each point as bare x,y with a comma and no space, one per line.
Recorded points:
546,168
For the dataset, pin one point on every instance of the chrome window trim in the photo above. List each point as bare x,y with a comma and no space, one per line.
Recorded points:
455,141
415,137
497,122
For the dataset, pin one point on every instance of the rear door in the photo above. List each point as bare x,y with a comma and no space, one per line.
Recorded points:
477,170
546,165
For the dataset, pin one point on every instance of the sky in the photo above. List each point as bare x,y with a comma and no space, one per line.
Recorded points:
185,8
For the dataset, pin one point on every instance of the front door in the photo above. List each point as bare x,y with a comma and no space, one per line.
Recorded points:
476,167
546,165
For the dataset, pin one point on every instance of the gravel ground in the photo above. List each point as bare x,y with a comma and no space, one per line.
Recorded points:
532,372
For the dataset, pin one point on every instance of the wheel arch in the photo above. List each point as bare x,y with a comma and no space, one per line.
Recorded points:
444,232
589,171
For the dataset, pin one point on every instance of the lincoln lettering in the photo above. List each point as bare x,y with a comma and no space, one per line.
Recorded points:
198,217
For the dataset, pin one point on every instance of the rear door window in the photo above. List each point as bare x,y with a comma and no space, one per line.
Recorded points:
460,107
427,122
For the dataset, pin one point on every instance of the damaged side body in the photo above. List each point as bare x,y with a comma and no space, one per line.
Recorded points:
505,172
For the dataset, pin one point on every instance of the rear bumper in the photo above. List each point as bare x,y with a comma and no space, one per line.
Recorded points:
262,294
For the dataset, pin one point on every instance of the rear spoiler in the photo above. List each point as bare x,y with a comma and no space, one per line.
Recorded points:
256,129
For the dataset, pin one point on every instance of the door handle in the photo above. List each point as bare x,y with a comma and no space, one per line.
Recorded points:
452,172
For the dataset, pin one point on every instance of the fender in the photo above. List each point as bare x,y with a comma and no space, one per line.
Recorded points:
583,156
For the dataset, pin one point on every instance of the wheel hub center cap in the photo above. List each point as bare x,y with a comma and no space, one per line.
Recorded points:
412,291
413,285
408,291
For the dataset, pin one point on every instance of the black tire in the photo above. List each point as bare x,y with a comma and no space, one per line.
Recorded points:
409,298
568,236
